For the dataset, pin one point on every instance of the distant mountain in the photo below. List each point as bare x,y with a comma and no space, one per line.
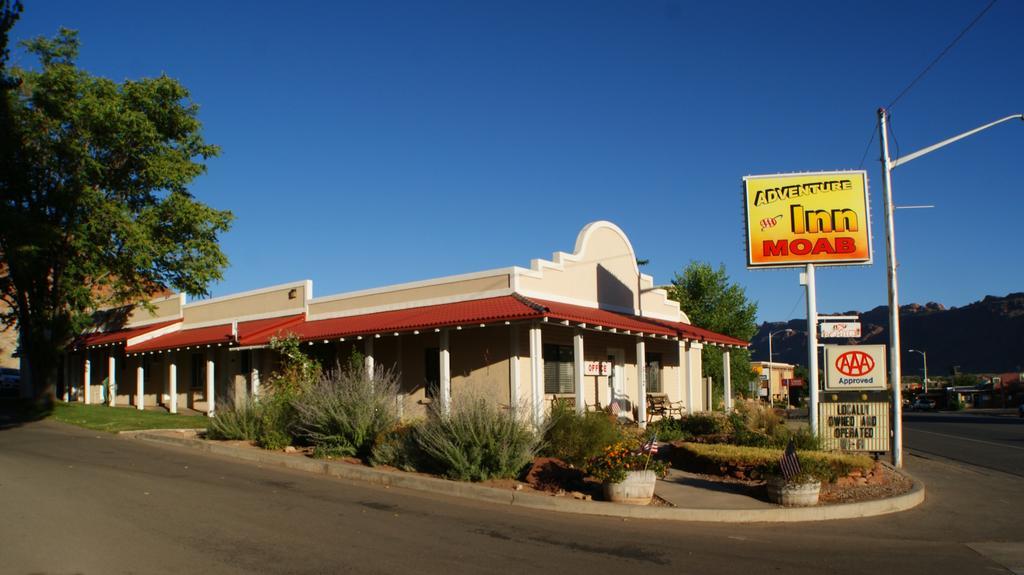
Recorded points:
986,336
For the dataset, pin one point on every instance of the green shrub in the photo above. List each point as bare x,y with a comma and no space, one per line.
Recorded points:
668,429
477,440
346,410
277,418
298,373
577,437
699,424
398,448
239,421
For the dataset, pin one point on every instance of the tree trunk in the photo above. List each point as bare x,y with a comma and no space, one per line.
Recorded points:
40,356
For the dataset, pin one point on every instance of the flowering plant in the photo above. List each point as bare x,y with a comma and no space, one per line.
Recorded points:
617,459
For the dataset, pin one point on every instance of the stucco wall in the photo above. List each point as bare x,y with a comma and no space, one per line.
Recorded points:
163,309
267,303
398,296
602,272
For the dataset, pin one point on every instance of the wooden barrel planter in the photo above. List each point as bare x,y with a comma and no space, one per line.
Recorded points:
793,494
636,489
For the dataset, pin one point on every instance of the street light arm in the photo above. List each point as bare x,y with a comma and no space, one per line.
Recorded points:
904,159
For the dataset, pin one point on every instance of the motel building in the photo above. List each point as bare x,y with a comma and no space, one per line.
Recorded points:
773,379
586,327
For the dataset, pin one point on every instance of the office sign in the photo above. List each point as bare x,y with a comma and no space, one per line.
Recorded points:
817,218
597,367
840,329
854,367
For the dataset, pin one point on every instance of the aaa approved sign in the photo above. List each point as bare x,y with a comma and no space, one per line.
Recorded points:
854,367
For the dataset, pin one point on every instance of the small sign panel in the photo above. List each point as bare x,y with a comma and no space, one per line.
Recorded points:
840,329
597,367
854,367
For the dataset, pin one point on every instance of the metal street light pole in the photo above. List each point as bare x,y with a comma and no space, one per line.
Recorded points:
890,241
924,355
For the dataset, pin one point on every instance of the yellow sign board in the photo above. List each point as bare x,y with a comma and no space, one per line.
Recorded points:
817,218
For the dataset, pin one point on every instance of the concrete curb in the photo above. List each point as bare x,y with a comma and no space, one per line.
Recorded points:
545,502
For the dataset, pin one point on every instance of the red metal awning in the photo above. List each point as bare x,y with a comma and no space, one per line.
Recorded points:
503,308
118,336
604,318
221,334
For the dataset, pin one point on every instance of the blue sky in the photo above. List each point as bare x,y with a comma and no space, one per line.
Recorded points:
379,142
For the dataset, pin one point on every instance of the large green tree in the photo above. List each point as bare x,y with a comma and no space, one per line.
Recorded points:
712,302
95,210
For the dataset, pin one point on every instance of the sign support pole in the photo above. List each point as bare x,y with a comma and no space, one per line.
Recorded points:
812,349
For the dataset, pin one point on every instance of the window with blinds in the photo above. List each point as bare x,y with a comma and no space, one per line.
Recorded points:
652,363
559,369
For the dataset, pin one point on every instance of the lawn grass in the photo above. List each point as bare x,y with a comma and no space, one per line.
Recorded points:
114,419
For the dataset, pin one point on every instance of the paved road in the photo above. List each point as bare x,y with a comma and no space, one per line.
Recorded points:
75,501
988,442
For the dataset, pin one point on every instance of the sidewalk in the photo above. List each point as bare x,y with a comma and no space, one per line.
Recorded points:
694,499
687,490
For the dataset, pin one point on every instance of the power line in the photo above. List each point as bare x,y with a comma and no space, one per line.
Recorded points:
923,73
942,54
871,140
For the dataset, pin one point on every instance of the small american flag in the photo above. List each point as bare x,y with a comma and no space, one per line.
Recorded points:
651,446
789,463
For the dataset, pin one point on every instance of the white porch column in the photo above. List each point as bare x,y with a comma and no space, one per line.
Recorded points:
172,382
87,380
66,395
536,373
693,349
140,378
254,380
368,356
446,373
680,358
727,380
513,366
577,372
641,383
210,388
112,380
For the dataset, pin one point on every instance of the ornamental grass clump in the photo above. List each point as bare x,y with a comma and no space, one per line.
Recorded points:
477,440
239,421
344,413
618,459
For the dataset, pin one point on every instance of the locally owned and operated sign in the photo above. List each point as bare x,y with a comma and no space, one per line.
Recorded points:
855,421
840,329
854,367
796,219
